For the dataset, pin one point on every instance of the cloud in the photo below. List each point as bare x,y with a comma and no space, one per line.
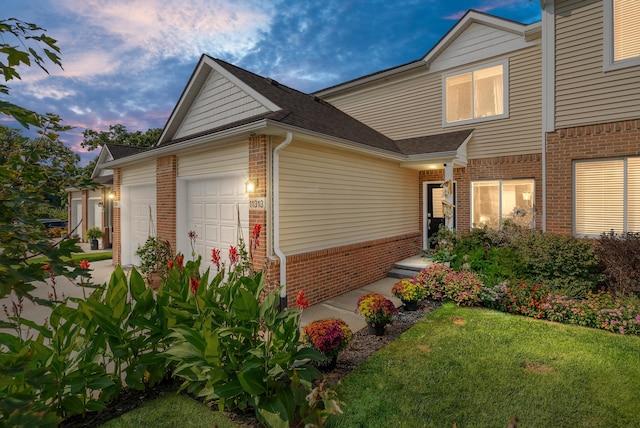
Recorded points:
181,30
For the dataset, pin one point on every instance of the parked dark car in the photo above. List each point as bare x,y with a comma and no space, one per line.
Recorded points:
51,223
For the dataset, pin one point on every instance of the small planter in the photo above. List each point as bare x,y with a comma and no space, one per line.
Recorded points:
376,329
328,365
94,244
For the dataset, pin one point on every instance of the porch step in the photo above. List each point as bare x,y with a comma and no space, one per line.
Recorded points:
409,268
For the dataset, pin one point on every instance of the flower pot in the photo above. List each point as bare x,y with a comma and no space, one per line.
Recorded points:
94,244
377,329
410,305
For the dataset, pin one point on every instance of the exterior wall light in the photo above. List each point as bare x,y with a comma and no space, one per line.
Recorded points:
251,185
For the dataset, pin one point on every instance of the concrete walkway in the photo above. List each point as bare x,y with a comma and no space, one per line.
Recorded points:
342,306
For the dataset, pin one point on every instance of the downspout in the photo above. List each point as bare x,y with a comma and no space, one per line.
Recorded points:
276,219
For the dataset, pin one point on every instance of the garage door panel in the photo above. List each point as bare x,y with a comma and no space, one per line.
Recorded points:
212,211
141,204
228,213
228,236
211,234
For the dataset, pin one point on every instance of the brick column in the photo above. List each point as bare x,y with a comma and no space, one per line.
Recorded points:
166,176
117,241
259,214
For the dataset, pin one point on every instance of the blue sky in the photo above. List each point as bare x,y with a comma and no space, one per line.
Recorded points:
127,61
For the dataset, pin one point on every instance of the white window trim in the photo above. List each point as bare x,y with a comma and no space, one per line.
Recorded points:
505,94
500,214
608,63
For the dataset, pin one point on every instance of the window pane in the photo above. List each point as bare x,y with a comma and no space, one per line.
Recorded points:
599,193
488,92
485,207
458,92
626,33
633,195
517,202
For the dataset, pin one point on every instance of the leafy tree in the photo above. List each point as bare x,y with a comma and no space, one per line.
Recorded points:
118,134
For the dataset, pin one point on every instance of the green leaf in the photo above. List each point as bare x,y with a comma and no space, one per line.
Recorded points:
273,413
228,390
252,380
245,306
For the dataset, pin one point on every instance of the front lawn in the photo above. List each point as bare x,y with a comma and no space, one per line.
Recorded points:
478,367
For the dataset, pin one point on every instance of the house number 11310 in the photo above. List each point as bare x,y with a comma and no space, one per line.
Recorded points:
257,203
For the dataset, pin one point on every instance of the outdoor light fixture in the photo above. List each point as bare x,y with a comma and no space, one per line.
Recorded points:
111,195
251,185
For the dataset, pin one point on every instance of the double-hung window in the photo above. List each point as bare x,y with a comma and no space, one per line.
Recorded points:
621,33
607,196
476,94
493,202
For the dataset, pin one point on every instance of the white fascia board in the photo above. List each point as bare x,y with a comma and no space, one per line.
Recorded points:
104,157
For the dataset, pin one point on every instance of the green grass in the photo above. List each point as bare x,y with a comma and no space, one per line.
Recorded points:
478,368
172,410
90,257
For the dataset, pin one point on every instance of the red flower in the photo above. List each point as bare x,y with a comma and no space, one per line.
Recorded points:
255,235
215,258
234,257
170,264
179,260
46,268
195,283
84,264
301,301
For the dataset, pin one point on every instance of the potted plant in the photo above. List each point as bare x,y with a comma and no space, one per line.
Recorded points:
377,310
330,337
409,291
154,257
92,235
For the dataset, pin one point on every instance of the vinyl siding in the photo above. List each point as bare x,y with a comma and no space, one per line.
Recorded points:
225,159
218,103
139,173
585,93
411,106
330,198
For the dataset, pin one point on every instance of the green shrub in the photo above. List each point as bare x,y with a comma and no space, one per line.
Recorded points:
566,265
522,298
620,257
441,282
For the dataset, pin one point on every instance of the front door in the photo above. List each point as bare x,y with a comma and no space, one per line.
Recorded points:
435,213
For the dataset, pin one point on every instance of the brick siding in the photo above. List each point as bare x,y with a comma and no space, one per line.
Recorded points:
117,239
166,182
598,141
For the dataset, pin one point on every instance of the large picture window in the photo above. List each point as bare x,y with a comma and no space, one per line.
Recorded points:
621,33
493,202
607,196
475,95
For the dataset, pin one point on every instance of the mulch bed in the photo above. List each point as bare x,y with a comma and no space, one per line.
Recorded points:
362,346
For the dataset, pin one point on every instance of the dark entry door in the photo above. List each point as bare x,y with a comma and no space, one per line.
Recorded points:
435,213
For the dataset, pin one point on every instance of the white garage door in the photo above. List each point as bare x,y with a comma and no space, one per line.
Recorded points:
213,206
139,219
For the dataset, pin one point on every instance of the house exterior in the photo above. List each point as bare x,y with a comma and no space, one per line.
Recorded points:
93,207
347,181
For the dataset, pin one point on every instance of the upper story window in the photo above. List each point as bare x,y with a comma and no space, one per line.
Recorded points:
476,95
621,33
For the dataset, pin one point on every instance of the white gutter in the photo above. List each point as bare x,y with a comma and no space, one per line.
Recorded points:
276,217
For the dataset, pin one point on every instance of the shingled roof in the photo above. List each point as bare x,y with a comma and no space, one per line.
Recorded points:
119,151
439,143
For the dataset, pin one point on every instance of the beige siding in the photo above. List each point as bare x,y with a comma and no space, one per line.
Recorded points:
225,159
139,173
331,198
219,102
411,106
585,93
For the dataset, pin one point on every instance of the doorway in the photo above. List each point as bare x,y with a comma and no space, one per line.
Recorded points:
434,213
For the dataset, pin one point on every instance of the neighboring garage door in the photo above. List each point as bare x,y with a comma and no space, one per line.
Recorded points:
213,206
139,219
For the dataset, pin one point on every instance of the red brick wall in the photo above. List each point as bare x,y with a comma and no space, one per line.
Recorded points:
117,240
166,182
503,167
328,273
258,171
597,141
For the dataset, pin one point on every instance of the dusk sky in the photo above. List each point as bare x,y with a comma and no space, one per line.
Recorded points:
127,61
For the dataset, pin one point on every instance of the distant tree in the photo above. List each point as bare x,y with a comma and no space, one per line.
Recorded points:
118,134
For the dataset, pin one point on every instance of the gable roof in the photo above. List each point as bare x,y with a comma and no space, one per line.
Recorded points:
111,152
526,31
286,106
